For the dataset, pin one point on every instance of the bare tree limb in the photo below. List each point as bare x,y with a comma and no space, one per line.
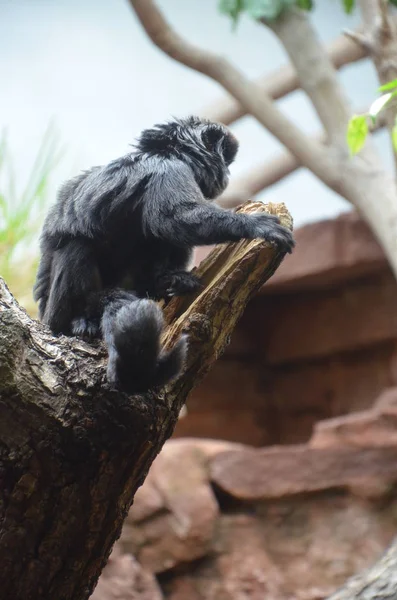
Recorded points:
359,180
361,176
283,81
266,174
361,39
317,75
258,178
311,154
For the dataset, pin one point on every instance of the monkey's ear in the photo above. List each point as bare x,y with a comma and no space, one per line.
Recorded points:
219,139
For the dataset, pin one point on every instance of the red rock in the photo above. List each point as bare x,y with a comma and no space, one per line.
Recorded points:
301,548
376,427
182,530
327,322
282,404
275,539
247,570
360,430
387,401
124,579
277,472
328,253
319,341
147,502
243,426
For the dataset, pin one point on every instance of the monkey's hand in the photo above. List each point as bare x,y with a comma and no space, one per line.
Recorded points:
177,283
86,327
268,228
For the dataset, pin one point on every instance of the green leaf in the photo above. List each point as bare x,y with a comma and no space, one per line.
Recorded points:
348,5
390,85
357,132
394,2
305,4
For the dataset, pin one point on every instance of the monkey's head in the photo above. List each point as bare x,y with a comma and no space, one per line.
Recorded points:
208,148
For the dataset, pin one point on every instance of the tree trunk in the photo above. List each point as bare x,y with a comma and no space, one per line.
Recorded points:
72,450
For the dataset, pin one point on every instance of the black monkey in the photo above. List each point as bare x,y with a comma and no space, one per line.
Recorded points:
121,235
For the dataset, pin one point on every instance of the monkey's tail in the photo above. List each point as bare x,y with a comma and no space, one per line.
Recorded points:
132,333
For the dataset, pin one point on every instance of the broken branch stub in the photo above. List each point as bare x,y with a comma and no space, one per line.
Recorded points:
231,275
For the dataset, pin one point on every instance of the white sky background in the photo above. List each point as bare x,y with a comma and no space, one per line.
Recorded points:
88,64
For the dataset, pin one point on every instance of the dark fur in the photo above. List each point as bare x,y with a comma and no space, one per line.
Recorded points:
131,225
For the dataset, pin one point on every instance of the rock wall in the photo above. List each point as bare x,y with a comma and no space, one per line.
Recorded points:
299,491
319,341
223,521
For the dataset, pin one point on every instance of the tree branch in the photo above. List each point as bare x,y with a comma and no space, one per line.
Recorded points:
72,450
283,81
266,174
360,176
310,154
260,177
360,39
358,180
315,71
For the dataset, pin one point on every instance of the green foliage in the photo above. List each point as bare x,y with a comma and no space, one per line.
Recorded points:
259,9
389,86
357,132
305,4
266,9
272,9
21,214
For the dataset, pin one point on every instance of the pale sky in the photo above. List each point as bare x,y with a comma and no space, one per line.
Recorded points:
88,65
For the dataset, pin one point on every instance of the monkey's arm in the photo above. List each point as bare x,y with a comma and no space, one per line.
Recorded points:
176,211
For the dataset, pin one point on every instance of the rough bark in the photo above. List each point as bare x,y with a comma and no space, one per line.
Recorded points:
72,450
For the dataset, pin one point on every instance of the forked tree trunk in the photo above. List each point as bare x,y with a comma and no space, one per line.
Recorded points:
73,451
